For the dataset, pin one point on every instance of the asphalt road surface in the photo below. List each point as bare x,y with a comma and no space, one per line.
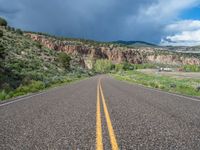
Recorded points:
100,113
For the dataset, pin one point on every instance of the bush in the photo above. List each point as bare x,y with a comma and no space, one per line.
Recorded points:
128,66
33,87
3,22
64,59
2,95
2,52
39,45
19,31
118,67
1,33
103,66
191,68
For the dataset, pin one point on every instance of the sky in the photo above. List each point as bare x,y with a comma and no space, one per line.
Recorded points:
163,22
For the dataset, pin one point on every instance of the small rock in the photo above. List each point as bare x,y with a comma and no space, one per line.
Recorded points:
172,85
198,88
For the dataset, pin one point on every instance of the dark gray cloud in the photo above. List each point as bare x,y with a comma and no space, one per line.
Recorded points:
100,20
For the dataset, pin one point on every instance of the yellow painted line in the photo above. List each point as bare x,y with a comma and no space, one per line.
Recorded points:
99,143
113,140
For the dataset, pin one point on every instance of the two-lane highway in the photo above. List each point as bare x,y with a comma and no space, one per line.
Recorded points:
101,113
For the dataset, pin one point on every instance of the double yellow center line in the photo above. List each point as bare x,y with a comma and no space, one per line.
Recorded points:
99,139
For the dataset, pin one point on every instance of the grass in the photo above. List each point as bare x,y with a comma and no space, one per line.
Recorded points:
37,86
170,84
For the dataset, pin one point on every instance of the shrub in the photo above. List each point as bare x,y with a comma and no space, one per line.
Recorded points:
128,66
2,52
118,67
2,95
1,33
33,87
3,22
191,68
39,45
19,31
64,59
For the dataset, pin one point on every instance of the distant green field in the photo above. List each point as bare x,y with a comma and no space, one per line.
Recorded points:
170,84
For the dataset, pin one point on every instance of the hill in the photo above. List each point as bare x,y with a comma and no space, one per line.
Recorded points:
27,66
135,43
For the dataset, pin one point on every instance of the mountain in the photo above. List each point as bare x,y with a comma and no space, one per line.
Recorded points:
135,43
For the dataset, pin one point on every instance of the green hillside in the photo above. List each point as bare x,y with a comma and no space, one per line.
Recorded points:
26,66
135,43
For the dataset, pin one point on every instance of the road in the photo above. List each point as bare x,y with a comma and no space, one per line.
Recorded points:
100,113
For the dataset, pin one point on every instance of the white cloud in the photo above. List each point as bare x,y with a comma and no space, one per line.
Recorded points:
152,19
185,38
183,25
185,32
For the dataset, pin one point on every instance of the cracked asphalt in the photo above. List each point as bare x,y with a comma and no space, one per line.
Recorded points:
65,118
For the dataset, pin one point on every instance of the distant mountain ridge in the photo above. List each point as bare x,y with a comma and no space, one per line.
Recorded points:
134,43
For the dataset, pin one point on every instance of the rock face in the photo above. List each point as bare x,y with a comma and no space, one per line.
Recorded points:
114,53
173,60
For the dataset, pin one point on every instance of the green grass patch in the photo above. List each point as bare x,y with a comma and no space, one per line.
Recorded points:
36,86
170,84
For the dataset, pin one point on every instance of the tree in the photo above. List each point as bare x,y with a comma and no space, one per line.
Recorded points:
3,22
103,66
64,59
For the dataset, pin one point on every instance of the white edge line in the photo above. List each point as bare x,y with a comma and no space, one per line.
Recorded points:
158,90
20,99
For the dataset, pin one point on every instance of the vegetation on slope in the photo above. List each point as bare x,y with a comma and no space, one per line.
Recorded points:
27,66
135,43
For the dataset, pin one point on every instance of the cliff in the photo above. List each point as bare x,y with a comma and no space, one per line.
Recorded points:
115,53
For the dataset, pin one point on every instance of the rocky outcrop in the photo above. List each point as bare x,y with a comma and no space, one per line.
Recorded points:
173,60
114,53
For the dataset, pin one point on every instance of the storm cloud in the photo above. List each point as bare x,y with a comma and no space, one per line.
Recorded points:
103,20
